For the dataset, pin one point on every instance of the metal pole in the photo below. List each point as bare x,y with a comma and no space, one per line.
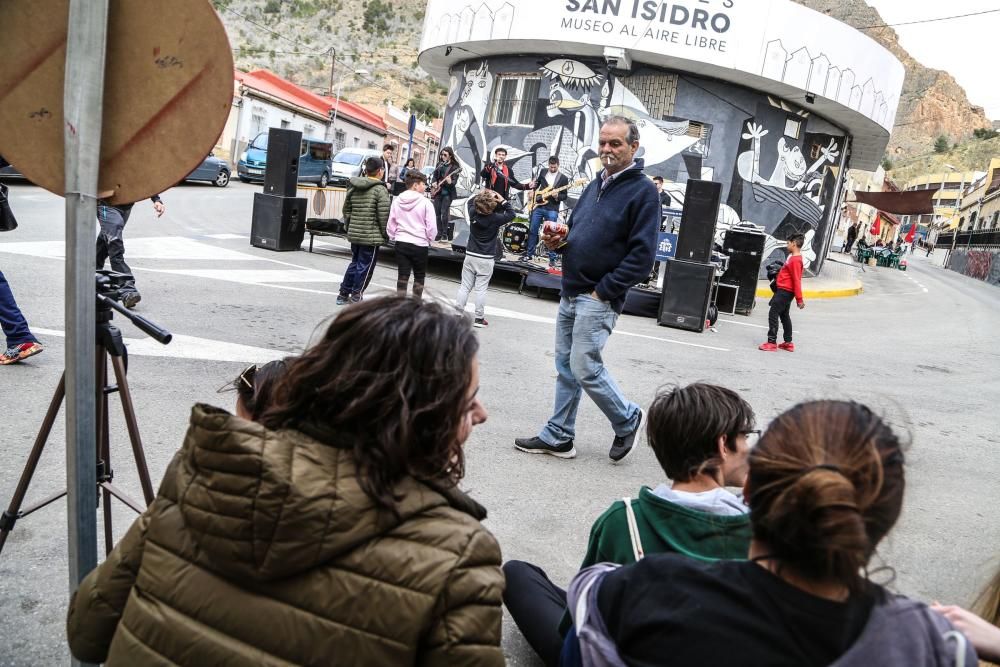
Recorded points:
333,64
83,95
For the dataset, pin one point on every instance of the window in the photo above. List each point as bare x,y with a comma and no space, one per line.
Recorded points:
258,123
514,99
792,128
284,124
339,139
996,217
309,131
372,146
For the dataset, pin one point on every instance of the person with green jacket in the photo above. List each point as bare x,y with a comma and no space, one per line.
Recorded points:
701,437
366,213
330,530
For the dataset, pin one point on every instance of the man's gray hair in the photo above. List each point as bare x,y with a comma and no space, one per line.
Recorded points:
633,131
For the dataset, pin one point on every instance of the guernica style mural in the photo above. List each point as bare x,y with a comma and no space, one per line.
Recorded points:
767,97
779,164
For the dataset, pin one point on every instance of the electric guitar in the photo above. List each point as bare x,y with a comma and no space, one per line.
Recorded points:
441,183
542,195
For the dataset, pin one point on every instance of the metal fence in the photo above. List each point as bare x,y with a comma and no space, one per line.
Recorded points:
981,240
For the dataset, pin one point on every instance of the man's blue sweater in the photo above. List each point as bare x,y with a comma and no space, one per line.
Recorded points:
612,237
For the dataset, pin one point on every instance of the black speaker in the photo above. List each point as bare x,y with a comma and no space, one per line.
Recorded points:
282,172
687,291
278,222
745,250
701,209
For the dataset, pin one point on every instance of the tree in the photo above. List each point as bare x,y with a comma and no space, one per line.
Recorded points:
887,163
941,145
423,107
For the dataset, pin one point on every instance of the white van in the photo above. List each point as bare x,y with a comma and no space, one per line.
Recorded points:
350,162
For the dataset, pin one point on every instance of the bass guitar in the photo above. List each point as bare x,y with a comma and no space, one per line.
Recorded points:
440,184
542,195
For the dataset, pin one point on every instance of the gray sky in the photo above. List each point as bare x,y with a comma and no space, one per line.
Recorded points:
962,47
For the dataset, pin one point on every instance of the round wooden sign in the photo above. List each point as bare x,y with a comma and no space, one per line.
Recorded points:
168,90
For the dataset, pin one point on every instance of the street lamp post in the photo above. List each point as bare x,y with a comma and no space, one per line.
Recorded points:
336,106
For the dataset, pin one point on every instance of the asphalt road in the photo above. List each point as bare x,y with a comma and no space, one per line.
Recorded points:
919,347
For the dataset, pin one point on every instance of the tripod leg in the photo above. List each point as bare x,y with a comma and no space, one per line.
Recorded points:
10,516
133,429
103,446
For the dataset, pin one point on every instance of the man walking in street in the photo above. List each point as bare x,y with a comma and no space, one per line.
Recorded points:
548,209
389,172
111,243
610,247
366,213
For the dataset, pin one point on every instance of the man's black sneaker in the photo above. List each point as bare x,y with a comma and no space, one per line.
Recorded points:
480,323
130,299
624,445
537,446
343,300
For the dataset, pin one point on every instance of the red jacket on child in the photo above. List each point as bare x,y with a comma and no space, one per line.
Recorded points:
790,277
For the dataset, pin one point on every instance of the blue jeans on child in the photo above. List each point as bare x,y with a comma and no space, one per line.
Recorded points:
359,271
537,216
15,327
582,329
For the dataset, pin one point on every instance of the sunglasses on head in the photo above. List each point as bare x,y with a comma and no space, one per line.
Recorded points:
243,381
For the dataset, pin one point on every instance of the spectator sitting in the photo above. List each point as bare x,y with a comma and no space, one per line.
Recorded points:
331,531
982,624
825,486
699,434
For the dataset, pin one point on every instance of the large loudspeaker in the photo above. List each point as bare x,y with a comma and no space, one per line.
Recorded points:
278,222
687,291
701,209
282,171
746,251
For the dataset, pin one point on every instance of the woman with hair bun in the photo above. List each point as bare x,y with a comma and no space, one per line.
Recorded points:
825,487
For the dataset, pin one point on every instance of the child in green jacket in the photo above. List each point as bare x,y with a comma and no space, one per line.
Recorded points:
701,435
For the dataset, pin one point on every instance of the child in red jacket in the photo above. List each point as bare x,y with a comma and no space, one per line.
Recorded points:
789,282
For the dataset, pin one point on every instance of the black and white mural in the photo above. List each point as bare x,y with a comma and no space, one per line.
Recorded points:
779,164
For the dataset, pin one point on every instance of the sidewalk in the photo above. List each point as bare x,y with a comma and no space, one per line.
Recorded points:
840,277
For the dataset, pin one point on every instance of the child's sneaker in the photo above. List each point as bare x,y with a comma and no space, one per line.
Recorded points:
18,352
342,300
480,323
787,347
768,347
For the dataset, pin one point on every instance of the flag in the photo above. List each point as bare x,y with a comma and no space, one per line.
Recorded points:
876,227
911,234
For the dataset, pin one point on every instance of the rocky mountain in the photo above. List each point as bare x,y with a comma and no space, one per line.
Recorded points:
379,38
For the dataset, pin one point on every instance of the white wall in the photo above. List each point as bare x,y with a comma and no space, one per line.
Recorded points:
354,135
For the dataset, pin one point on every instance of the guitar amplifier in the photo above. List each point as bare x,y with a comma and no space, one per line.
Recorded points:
278,223
687,291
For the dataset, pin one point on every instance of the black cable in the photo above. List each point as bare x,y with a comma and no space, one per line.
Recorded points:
942,18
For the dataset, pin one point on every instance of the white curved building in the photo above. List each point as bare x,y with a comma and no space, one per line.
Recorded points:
771,99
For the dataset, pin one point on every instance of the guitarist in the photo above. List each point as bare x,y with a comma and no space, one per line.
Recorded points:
546,207
443,192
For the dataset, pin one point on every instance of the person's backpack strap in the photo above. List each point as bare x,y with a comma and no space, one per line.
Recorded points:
633,530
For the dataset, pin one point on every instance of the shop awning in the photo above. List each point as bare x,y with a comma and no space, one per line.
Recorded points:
912,202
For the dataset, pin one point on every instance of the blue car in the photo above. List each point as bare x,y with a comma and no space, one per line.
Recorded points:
212,169
315,161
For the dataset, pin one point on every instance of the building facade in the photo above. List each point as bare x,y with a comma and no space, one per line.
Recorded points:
770,99
949,186
979,209
426,138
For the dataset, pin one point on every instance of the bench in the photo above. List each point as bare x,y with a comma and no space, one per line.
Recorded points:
313,233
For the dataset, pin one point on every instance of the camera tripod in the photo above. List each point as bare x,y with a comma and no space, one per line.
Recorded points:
110,346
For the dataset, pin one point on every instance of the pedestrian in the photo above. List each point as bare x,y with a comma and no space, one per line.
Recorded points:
548,210
407,167
825,487
488,211
789,284
852,236
111,243
611,246
413,227
664,196
390,172
701,435
21,343
443,192
366,213
331,531
930,250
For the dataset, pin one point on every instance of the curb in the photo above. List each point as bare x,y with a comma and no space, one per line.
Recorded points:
836,293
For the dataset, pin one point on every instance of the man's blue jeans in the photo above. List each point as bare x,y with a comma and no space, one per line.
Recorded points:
582,328
15,327
537,216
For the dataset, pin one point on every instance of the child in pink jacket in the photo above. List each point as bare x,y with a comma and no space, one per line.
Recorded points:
412,226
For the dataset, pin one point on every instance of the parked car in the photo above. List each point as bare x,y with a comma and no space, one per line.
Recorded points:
314,161
213,169
350,162
10,171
